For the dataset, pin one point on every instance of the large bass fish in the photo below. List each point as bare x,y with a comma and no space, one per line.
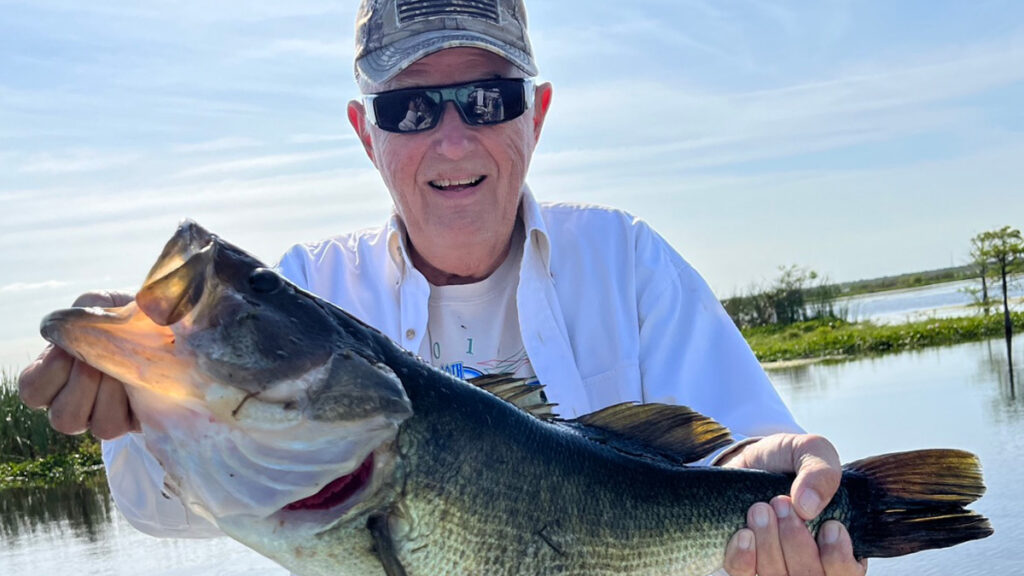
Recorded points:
315,440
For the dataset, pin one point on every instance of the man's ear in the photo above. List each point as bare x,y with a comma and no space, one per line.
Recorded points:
357,118
541,104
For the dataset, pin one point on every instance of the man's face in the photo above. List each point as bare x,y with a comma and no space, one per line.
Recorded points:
456,187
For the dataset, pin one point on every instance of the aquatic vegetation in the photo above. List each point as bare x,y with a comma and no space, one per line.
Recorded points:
34,454
826,338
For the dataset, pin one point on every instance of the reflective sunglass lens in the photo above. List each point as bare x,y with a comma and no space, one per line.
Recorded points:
405,111
479,103
483,104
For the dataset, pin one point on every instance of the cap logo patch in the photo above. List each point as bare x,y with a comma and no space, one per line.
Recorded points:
410,11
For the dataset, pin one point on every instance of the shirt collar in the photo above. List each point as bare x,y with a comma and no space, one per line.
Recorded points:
537,240
397,245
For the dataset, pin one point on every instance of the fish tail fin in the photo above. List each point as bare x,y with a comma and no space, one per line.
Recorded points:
916,501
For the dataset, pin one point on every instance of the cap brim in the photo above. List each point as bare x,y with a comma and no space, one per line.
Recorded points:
382,65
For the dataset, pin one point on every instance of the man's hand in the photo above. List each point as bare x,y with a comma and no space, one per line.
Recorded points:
776,542
77,396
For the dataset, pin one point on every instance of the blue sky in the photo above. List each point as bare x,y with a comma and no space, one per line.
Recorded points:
856,138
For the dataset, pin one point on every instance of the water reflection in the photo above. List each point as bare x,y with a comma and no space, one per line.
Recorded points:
806,382
956,397
83,509
993,367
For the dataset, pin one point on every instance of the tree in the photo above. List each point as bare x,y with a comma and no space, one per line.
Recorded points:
980,257
1005,254
797,295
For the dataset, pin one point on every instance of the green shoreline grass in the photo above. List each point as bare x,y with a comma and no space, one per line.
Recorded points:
836,338
34,454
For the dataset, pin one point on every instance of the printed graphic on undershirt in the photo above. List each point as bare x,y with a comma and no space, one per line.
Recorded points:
473,329
517,364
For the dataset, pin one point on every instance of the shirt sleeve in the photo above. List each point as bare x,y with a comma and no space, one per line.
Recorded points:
293,265
691,353
136,482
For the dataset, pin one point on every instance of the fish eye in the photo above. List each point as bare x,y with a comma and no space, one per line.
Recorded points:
265,281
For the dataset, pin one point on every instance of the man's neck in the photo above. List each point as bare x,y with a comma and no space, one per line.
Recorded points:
466,271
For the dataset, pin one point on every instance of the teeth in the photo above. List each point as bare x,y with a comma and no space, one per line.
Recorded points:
462,182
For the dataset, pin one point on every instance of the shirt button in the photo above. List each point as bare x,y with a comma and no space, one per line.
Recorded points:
410,334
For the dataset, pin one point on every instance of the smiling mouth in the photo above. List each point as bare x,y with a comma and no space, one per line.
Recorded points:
454,185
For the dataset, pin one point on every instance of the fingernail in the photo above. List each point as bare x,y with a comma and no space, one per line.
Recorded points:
745,540
760,516
809,502
782,508
830,533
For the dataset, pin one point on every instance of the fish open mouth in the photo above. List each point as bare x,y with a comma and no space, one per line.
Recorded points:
337,491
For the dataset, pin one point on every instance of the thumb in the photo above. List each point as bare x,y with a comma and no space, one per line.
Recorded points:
818,474
103,298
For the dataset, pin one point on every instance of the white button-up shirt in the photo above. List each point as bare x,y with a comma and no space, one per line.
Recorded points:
608,312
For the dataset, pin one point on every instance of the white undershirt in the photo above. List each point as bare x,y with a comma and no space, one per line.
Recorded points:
473,329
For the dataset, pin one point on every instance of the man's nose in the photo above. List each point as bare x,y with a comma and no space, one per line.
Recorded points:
454,139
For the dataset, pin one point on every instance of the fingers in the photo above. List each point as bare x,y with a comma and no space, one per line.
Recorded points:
799,549
112,415
762,520
837,551
104,298
818,474
40,381
812,457
740,554
91,400
77,396
70,410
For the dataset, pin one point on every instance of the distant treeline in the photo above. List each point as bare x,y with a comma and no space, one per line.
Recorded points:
909,280
800,294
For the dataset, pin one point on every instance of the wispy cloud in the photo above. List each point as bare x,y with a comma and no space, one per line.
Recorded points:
19,287
318,138
218,145
261,163
75,161
716,128
340,50
190,10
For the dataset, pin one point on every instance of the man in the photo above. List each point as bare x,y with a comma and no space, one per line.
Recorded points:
477,276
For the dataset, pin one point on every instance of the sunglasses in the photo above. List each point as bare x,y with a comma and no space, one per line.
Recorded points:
480,103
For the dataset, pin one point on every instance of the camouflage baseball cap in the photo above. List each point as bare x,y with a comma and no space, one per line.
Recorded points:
392,34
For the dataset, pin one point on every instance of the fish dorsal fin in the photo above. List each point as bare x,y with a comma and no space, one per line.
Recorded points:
675,434
514,390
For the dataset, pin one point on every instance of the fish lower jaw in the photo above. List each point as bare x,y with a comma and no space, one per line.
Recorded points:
342,497
338,491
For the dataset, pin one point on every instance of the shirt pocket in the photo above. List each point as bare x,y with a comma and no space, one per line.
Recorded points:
615,386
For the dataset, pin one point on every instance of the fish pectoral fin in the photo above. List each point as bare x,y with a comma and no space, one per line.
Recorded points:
383,545
516,391
662,431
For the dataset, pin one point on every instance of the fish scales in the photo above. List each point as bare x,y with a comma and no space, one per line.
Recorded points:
554,503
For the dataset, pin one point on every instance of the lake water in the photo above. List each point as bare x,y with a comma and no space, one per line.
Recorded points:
950,397
955,397
944,300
